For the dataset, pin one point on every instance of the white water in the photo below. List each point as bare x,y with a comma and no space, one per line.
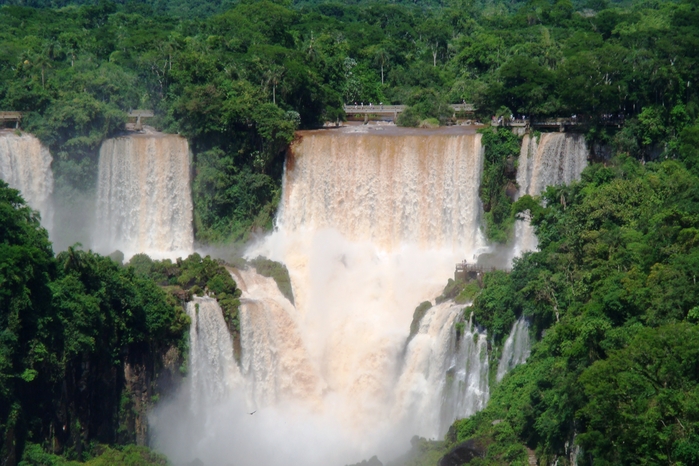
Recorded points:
213,371
25,164
553,159
144,202
445,376
516,349
370,225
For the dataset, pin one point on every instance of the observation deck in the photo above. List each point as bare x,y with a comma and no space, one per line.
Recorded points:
138,115
6,117
465,270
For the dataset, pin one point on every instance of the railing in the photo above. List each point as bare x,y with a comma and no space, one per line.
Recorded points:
141,114
10,116
371,108
465,267
368,109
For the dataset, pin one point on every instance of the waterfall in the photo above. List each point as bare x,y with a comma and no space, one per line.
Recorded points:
144,202
516,349
275,361
386,188
213,372
445,375
25,164
370,224
553,159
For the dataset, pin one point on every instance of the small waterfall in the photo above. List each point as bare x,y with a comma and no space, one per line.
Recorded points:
516,349
467,390
144,202
553,159
445,375
213,373
25,164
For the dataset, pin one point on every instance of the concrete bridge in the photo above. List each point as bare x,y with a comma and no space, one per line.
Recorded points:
393,110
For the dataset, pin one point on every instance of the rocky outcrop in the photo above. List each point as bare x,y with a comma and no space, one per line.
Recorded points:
463,453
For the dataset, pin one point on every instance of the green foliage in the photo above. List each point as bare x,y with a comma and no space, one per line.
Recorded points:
129,455
194,275
469,293
608,296
422,452
500,146
277,271
418,314
68,325
642,400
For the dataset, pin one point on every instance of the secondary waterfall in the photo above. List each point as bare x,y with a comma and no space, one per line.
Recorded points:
445,376
144,202
213,373
25,164
516,349
371,224
551,159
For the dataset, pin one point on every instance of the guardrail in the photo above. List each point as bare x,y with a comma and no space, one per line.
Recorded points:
141,114
380,109
10,116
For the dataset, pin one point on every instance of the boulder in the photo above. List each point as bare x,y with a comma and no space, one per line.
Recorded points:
463,453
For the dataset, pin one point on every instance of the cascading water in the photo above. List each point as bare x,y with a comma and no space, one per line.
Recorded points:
551,159
144,202
275,361
516,349
387,188
445,375
25,164
213,371
370,224
467,390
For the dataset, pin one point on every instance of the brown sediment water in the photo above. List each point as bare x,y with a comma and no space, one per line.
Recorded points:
25,164
144,204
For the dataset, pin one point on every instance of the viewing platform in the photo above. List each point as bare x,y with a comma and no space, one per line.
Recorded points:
6,117
465,270
138,115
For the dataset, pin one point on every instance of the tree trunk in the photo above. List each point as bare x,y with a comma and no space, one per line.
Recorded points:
274,94
382,73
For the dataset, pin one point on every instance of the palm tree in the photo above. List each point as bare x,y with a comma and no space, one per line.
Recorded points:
274,76
381,58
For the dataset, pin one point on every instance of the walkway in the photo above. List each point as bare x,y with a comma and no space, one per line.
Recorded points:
394,110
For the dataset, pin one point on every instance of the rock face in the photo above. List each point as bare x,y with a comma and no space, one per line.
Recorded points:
463,453
373,461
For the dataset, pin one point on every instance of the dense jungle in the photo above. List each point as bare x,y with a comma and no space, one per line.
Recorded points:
89,344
